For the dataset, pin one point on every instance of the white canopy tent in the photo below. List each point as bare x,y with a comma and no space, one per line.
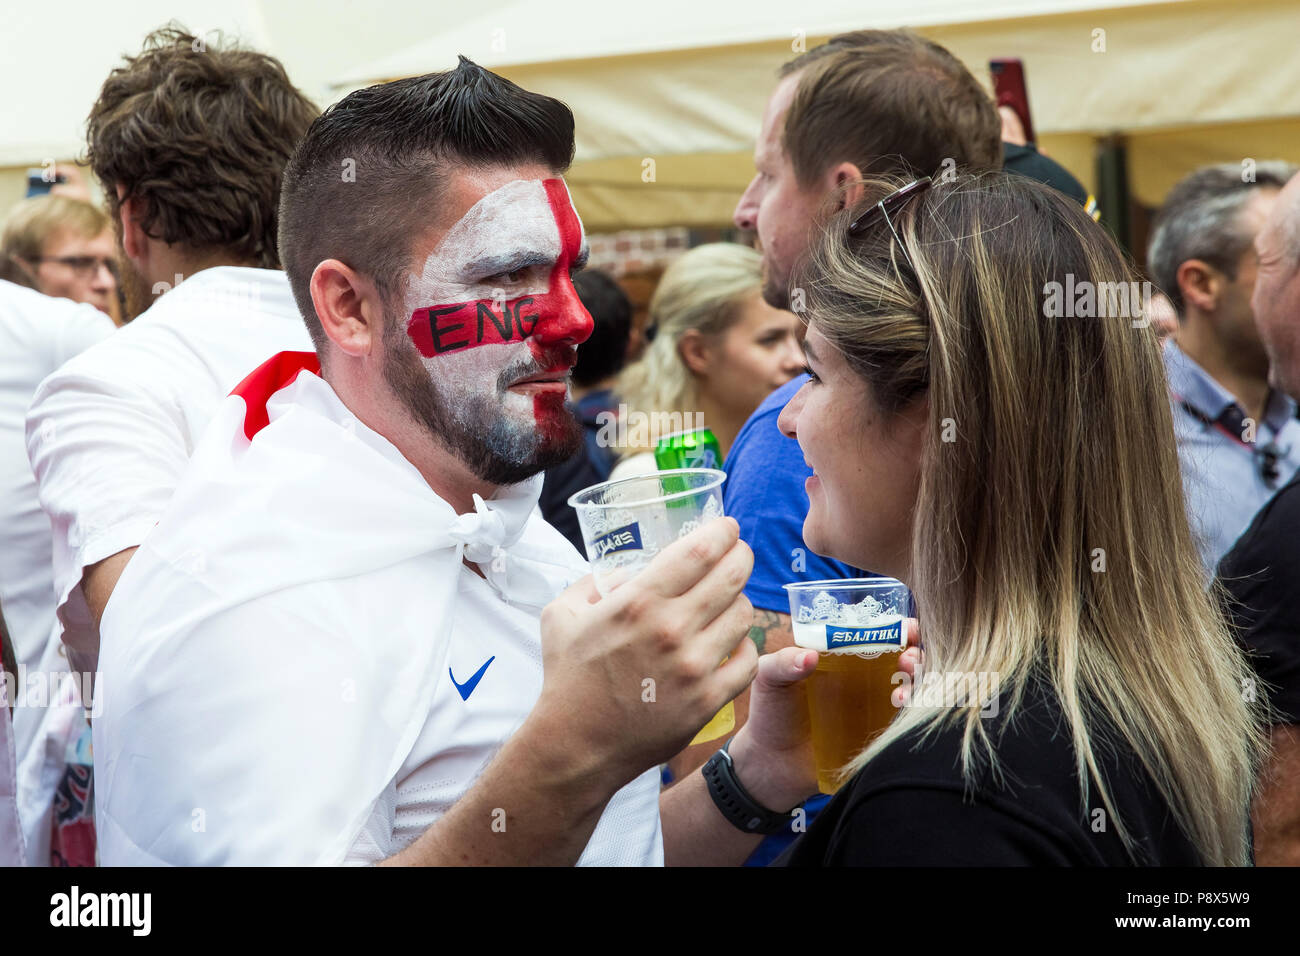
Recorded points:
683,83
53,59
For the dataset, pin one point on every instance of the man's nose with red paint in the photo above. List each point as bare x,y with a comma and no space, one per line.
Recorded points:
563,320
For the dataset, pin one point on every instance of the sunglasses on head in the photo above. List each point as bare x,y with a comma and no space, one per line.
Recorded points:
891,203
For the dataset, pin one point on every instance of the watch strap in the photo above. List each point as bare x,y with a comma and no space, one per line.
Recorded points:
734,801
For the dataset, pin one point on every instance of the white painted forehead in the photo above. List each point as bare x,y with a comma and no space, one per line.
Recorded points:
522,202
516,218
517,210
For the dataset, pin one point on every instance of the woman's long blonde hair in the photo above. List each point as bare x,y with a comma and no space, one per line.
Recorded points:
703,290
1049,534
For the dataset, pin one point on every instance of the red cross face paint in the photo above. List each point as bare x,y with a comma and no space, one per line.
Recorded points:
496,321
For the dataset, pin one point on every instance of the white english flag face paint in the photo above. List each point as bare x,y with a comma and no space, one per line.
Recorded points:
494,305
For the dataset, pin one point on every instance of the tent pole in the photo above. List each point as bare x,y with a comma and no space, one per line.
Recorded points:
1113,189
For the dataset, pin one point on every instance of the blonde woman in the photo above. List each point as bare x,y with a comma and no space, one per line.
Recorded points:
1010,455
718,351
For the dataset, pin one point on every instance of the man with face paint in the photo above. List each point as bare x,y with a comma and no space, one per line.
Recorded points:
497,346
352,637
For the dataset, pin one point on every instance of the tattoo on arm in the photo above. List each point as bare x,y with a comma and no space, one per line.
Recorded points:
768,629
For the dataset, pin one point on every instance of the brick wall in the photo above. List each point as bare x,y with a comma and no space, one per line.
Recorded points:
637,250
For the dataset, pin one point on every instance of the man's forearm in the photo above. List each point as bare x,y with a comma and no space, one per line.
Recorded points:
534,805
695,831
99,580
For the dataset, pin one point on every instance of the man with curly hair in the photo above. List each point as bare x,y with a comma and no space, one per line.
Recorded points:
188,139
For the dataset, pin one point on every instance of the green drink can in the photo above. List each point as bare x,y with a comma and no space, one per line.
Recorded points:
696,448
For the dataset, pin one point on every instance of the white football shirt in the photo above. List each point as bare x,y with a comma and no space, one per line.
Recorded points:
110,433
290,658
493,678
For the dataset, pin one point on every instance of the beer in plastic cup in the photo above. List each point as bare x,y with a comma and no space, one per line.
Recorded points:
856,626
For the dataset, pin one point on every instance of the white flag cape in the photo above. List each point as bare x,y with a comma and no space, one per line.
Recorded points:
269,655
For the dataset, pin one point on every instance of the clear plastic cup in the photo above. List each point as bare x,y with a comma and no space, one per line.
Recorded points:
625,523
856,626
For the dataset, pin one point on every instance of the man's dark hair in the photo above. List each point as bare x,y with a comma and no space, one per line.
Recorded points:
603,354
363,182
885,100
199,134
1201,219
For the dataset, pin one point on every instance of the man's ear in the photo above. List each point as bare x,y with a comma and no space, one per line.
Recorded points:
694,349
1200,283
845,181
134,241
349,307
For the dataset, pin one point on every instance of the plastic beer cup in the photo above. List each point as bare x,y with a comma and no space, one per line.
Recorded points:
856,626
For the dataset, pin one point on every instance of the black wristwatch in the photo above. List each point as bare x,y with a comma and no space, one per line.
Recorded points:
741,810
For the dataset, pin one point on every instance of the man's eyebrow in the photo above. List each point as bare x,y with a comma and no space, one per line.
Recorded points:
496,263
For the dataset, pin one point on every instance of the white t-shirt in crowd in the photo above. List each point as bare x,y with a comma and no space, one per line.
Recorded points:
298,667
110,433
38,334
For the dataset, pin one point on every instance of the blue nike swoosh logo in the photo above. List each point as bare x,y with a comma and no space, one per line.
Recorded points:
467,688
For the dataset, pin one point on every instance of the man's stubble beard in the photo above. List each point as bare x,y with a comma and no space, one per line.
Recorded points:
776,287
776,294
494,448
136,292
